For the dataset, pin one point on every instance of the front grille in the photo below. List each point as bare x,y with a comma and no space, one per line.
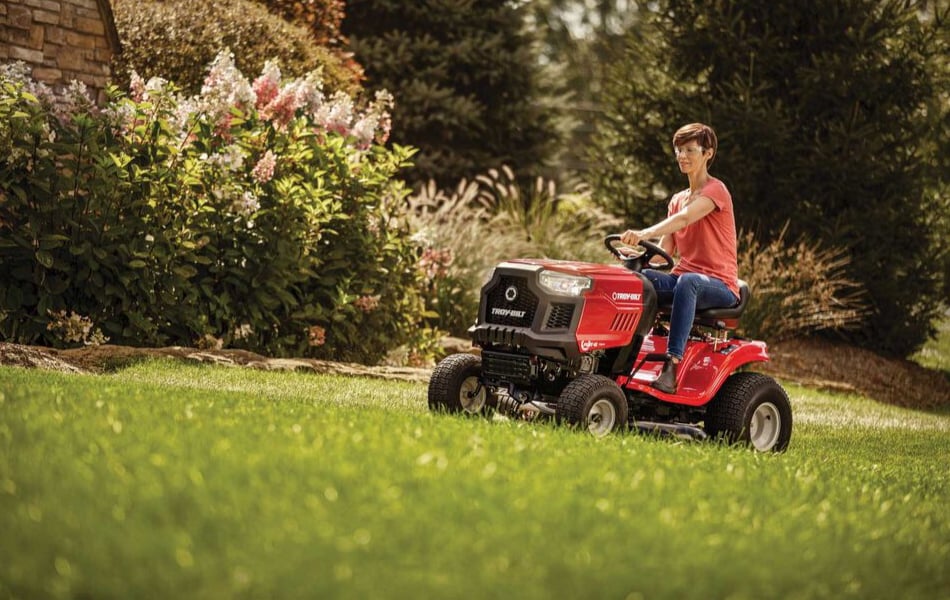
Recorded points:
560,316
501,309
506,367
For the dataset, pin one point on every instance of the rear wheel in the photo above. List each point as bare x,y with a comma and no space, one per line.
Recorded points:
753,409
593,402
456,387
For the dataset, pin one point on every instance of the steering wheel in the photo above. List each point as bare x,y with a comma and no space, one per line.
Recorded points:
640,261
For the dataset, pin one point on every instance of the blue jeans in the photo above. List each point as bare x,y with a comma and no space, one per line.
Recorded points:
689,292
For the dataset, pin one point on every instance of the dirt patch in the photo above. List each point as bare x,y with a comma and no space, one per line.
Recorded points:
99,359
827,365
32,357
813,363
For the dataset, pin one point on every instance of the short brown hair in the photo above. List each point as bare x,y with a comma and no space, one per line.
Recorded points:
701,134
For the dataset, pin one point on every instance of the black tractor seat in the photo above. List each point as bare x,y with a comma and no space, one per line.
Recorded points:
720,318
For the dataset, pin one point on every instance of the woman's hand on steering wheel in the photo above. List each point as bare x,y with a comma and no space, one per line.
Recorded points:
640,261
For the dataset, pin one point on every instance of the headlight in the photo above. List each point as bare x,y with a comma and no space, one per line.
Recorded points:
563,284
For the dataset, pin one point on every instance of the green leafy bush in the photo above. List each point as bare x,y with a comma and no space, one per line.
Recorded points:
175,39
260,216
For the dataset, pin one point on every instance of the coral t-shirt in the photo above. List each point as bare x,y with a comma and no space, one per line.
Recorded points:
708,246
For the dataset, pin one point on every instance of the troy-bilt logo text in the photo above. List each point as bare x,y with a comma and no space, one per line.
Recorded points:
507,312
625,297
588,345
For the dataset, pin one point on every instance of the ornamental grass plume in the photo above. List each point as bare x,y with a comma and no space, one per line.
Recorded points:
797,289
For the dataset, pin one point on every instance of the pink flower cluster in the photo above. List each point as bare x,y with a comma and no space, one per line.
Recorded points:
267,86
137,87
264,169
225,90
225,87
367,303
280,104
74,328
435,263
317,336
273,103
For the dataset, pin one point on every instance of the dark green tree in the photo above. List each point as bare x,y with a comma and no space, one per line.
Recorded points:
466,82
579,40
832,117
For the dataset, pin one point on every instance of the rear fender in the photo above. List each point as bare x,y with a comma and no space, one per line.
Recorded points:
703,370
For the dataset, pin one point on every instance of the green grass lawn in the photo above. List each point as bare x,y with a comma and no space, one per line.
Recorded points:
167,480
936,352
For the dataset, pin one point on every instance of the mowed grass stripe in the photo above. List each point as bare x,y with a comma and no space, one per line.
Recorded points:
184,480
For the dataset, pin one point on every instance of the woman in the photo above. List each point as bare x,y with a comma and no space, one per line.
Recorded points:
701,229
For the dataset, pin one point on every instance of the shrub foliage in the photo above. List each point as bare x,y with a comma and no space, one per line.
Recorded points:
260,215
321,17
176,39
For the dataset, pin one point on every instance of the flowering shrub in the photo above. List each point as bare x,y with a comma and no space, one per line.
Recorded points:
261,214
190,34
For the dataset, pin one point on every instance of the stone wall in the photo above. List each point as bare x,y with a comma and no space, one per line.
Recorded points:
61,40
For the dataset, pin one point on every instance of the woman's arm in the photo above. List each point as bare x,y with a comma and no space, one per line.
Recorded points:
689,214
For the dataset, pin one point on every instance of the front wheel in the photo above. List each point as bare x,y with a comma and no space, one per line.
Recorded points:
456,387
594,402
753,409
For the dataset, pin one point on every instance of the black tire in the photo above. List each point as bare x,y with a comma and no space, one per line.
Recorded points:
751,409
455,386
593,402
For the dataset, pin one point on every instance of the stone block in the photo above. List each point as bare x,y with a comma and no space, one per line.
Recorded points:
55,35
80,40
89,25
19,17
26,54
37,37
89,13
50,5
18,37
86,4
70,60
47,74
46,17
27,38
